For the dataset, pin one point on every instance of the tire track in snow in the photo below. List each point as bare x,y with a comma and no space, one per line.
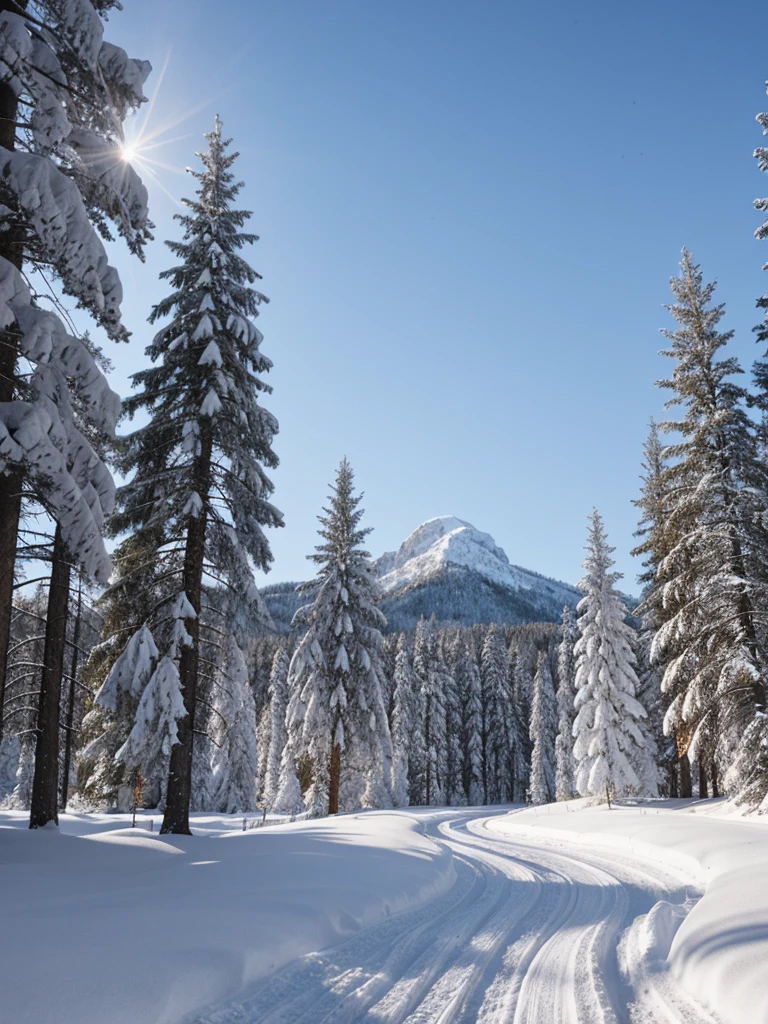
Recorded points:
527,935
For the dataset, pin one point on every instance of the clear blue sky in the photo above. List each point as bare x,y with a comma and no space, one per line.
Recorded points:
469,214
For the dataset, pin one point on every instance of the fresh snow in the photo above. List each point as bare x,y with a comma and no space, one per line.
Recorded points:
565,913
128,926
717,953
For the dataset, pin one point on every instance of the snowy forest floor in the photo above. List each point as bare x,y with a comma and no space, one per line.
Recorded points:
564,913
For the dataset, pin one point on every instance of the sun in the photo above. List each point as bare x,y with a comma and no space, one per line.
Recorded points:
129,151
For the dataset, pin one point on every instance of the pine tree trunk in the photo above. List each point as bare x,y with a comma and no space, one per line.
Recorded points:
71,706
45,786
334,780
713,776
10,482
702,781
686,783
176,817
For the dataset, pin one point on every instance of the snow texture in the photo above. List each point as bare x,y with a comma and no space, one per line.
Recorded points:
140,927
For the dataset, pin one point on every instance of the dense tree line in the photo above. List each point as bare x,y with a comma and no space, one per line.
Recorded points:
149,674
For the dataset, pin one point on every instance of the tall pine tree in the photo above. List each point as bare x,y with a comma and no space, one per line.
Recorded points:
336,714
495,737
714,571
278,702
654,546
199,488
402,723
608,749
564,786
64,93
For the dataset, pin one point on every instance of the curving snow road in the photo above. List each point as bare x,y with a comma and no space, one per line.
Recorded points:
531,933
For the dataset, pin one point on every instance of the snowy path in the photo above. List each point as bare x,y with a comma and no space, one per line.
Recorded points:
530,934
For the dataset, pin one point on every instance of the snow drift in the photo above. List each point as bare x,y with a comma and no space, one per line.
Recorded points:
128,926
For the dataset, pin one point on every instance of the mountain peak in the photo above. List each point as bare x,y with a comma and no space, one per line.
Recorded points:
445,539
448,568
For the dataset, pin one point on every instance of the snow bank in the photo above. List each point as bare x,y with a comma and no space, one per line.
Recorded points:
719,951
129,926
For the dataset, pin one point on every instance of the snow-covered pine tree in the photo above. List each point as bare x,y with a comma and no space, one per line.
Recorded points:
154,732
336,713
233,732
123,608
199,488
452,646
654,547
470,690
431,674
402,723
278,703
716,542
494,685
110,720
417,759
564,786
288,799
608,750
750,772
543,733
64,93
521,667
760,367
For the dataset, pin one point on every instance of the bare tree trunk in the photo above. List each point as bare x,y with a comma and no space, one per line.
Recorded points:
45,786
11,480
176,817
713,776
334,780
71,704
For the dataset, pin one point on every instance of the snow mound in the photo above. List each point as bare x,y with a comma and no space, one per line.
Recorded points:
655,931
715,948
128,926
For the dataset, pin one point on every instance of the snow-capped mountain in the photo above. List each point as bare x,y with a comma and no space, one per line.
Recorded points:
450,569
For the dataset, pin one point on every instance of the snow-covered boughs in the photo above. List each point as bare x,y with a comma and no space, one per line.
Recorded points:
455,793
155,729
62,179
69,172
278,703
711,547
336,715
431,678
761,155
288,799
233,733
130,673
199,484
609,745
469,687
495,736
402,724
564,784
543,732
112,719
